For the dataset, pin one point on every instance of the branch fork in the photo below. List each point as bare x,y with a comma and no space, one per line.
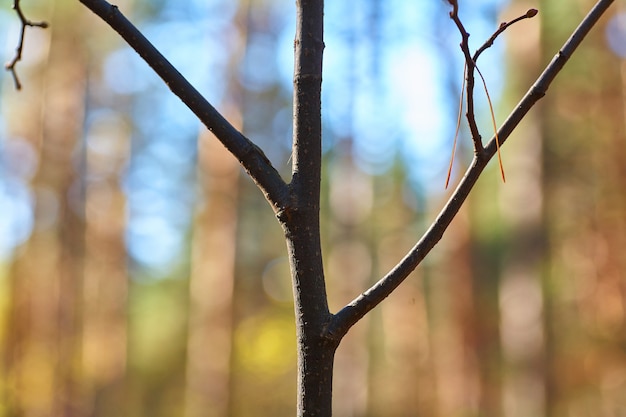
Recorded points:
10,66
468,84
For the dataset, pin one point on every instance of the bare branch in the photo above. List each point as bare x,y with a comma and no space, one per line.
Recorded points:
249,155
307,81
355,310
10,66
541,85
470,64
503,26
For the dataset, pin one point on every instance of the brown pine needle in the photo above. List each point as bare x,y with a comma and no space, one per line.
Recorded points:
458,126
495,127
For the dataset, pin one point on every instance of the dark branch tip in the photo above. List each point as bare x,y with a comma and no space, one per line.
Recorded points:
531,13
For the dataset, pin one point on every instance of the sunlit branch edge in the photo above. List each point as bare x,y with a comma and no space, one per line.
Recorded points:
343,320
251,157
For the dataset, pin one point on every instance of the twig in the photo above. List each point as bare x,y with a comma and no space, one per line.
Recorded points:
470,64
18,51
355,310
503,26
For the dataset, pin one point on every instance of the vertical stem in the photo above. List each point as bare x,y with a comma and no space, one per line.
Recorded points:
308,49
300,217
315,352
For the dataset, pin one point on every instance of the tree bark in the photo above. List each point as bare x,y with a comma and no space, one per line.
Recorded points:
315,352
299,218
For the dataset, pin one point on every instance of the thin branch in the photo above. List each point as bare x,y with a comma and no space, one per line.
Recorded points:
10,66
469,78
503,26
249,155
470,64
355,310
541,85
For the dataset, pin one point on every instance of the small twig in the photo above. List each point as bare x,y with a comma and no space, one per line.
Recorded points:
503,26
20,46
468,80
470,64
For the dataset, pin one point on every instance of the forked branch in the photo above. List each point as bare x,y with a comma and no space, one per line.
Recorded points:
355,310
468,79
10,66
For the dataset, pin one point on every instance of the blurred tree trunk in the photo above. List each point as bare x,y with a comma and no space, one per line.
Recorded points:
520,202
44,338
584,175
214,243
211,286
350,259
464,383
105,292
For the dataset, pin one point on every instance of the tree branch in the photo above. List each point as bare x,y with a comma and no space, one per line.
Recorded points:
470,65
10,66
307,123
249,155
300,218
355,310
541,85
503,26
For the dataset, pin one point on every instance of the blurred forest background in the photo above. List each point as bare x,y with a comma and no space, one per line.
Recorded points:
142,273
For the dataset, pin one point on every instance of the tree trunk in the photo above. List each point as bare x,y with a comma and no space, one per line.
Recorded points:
315,352
299,217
